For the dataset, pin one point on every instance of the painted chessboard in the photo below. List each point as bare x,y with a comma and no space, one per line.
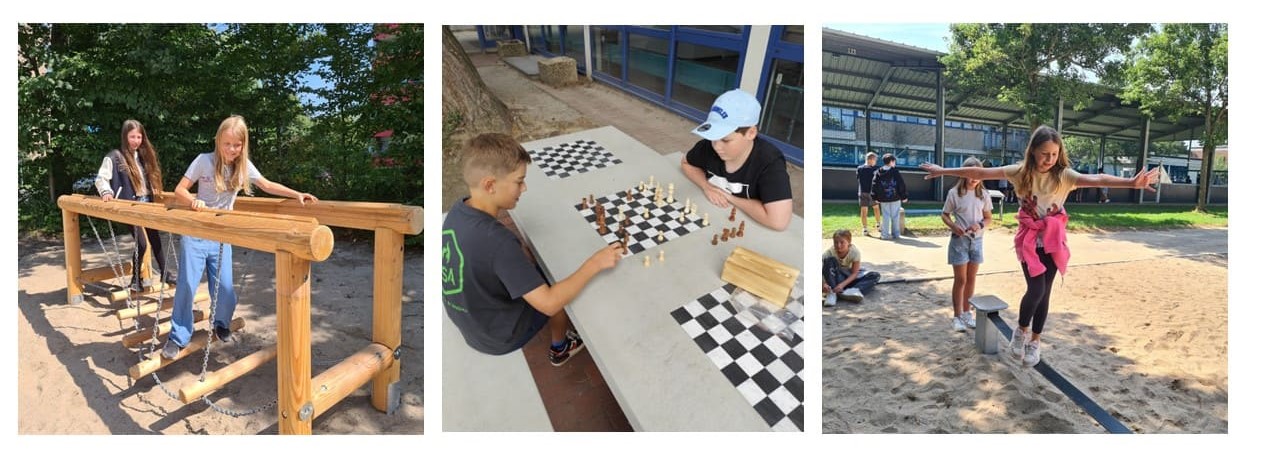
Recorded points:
642,232
568,159
766,368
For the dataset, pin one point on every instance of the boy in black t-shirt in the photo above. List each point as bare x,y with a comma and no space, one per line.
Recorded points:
493,292
733,165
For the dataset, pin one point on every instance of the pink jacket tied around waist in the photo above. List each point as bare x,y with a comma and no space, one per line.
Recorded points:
1055,241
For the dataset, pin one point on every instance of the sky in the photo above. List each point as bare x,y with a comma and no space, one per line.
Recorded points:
928,36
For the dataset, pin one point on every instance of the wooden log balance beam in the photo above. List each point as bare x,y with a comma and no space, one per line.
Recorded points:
156,362
339,381
139,337
303,237
214,381
403,219
153,307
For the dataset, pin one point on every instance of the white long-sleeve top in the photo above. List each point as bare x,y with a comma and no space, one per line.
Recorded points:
103,181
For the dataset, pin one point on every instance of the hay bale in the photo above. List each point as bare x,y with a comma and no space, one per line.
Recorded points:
511,48
558,71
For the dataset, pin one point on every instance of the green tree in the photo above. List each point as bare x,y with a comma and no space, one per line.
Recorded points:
1034,65
1181,70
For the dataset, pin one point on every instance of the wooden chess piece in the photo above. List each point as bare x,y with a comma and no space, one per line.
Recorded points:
733,214
741,226
713,240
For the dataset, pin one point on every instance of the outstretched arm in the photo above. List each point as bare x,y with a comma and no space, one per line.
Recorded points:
1143,180
972,173
283,191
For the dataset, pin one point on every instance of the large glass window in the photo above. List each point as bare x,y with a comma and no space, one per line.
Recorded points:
573,44
647,62
793,34
535,36
702,74
783,117
735,29
608,52
553,38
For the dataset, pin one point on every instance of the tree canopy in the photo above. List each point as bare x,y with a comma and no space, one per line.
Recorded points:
79,82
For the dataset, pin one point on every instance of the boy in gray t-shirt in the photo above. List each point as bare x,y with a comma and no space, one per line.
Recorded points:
493,293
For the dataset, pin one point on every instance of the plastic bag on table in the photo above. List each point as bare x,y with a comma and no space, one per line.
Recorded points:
753,311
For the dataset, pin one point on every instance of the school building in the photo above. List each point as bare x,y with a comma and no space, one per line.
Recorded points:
684,68
882,96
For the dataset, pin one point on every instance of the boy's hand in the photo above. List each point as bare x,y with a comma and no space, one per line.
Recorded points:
607,257
716,195
303,197
106,197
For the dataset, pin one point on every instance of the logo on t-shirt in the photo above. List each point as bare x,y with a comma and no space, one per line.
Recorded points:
729,186
451,271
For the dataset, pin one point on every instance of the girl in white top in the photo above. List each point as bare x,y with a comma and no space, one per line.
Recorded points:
967,212
222,175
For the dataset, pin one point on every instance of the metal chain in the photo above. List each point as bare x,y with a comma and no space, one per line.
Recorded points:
117,269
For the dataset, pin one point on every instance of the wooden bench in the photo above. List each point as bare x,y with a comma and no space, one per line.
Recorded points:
986,336
487,393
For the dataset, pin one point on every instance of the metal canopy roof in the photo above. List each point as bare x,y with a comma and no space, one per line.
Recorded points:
861,72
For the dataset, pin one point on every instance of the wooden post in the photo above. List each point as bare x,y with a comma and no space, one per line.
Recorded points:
388,287
293,339
343,378
71,245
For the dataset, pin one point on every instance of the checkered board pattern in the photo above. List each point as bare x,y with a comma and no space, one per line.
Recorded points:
567,159
766,368
644,232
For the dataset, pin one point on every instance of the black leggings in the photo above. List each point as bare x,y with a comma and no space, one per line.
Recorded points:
1035,303
153,237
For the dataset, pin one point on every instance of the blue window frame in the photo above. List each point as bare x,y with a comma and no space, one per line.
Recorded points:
781,93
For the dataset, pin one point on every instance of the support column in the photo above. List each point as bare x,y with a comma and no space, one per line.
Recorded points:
71,245
938,135
388,288
293,339
1144,146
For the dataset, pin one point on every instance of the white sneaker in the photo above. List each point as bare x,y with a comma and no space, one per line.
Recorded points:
830,301
969,320
1018,344
957,324
865,232
1032,357
853,294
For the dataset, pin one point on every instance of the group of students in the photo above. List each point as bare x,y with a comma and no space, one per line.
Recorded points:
505,298
133,172
1042,182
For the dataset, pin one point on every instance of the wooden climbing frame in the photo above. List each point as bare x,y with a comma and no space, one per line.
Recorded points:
297,235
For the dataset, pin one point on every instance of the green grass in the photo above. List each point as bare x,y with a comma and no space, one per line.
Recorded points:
1084,218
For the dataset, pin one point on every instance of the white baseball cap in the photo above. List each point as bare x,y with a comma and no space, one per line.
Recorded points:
732,110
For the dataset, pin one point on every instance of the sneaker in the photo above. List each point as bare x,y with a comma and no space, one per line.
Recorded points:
1032,357
957,324
830,300
170,350
221,333
1018,344
969,320
866,232
136,287
853,295
169,279
573,344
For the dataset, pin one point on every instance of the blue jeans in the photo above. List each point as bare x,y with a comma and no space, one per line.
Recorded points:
833,274
889,225
196,257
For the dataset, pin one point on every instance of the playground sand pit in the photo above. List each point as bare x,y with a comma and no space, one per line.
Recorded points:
73,370
1147,340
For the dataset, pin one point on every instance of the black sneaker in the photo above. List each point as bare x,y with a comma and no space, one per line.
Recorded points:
170,350
573,344
221,333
